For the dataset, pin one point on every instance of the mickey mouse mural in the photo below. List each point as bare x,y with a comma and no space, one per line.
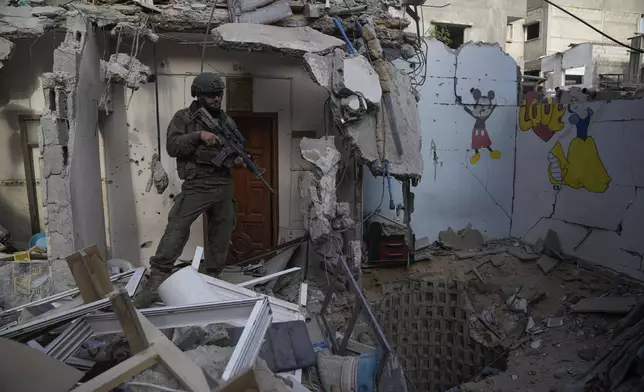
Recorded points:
481,111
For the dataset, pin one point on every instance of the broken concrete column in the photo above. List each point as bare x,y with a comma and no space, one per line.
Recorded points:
73,209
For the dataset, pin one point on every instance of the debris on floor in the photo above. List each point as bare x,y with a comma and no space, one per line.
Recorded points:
546,315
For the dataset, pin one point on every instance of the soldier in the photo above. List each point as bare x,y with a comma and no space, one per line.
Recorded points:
206,188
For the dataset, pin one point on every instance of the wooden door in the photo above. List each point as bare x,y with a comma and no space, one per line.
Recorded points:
257,213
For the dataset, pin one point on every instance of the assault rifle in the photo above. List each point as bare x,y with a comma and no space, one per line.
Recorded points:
232,145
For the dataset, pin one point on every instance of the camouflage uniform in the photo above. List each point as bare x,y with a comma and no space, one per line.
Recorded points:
205,189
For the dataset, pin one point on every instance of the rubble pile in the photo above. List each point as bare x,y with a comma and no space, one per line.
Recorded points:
564,324
240,340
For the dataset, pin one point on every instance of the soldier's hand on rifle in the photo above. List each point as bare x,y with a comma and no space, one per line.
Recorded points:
239,162
209,138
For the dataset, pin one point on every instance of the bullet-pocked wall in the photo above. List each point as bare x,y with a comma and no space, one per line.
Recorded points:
468,114
580,173
137,218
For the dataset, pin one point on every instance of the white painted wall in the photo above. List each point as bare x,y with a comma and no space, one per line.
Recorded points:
453,191
280,86
603,227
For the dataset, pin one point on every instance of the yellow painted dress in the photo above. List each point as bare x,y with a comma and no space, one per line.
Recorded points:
583,167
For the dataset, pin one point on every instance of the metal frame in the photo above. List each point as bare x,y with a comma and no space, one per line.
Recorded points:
282,310
251,340
25,331
362,306
236,312
135,274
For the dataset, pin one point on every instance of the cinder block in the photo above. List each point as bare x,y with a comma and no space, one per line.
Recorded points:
57,190
67,60
54,131
53,160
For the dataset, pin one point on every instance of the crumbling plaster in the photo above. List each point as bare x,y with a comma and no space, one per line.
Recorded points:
603,227
453,191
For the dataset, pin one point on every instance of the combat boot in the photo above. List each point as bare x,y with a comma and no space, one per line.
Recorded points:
149,294
209,271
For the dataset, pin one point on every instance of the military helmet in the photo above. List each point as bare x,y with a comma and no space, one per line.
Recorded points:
206,83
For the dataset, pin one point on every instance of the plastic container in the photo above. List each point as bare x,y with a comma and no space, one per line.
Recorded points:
186,287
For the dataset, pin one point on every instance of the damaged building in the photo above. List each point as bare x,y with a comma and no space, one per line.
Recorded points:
479,237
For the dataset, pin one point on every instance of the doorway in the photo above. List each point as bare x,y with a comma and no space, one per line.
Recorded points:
256,229
29,128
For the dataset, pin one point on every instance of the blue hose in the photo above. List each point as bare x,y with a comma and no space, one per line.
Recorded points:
338,24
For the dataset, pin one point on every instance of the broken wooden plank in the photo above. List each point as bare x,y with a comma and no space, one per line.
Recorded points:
97,270
487,252
244,382
547,264
521,255
120,373
125,311
615,305
82,278
28,369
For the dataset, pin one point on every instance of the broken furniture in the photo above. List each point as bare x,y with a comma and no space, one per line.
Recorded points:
384,249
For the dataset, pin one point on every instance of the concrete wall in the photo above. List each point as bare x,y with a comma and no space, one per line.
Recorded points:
280,86
85,166
588,190
617,18
486,20
20,95
535,48
514,45
457,189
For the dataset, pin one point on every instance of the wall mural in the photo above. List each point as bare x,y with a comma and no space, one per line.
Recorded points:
481,111
581,167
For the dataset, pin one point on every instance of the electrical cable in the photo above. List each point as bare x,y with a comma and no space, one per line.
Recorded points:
594,28
338,24
205,36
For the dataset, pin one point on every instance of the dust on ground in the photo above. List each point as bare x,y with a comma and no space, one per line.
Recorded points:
546,359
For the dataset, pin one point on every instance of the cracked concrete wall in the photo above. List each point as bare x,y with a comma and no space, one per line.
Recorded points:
586,186
280,86
457,186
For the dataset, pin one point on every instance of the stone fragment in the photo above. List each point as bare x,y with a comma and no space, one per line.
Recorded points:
256,37
274,12
547,264
487,252
319,68
615,305
188,338
521,255
407,51
360,78
47,11
6,48
588,354
129,71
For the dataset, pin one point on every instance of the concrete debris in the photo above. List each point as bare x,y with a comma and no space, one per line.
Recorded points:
129,71
48,11
257,37
407,51
517,304
547,264
269,14
19,22
588,354
6,48
188,338
487,252
616,305
5,236
319,68
132,29
354,75
464,239
554,322
521,255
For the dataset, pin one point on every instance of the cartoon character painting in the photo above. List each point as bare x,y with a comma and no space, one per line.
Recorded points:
582,168
481,111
